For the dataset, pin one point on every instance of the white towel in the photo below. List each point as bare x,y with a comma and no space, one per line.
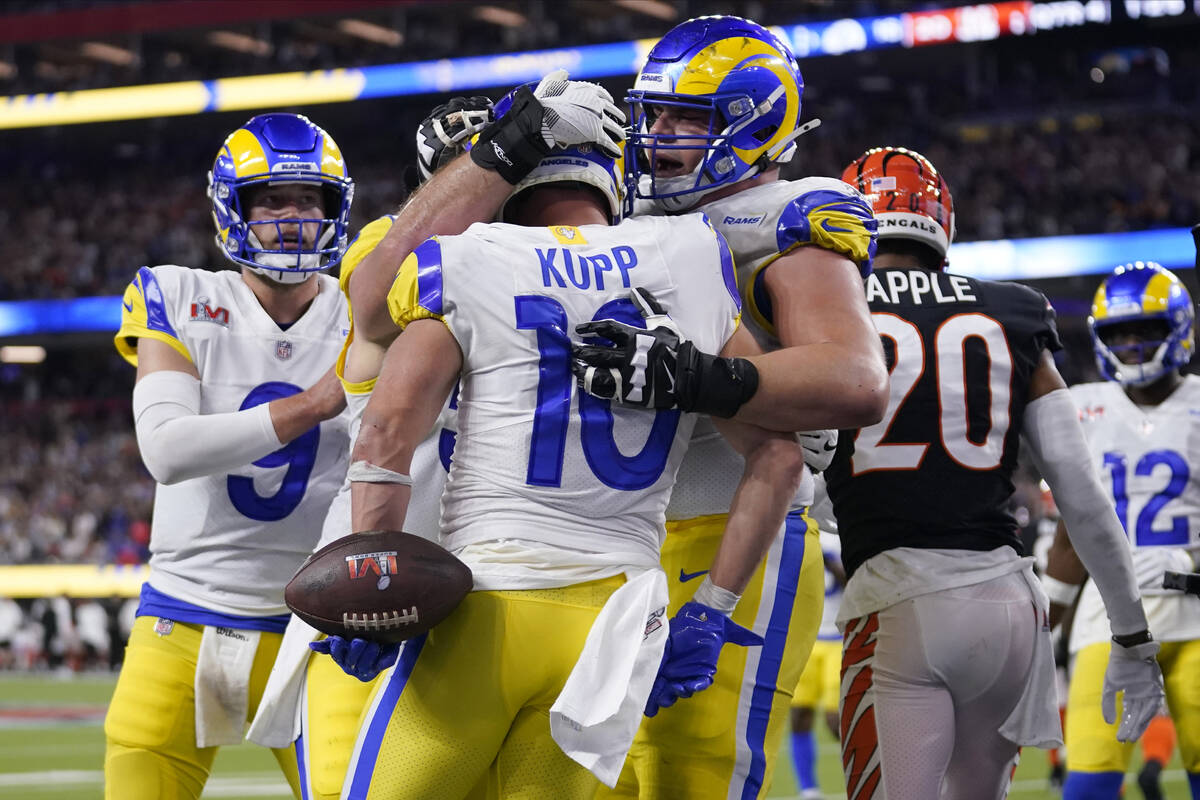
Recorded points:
1035,722
223,684
277,723
600,707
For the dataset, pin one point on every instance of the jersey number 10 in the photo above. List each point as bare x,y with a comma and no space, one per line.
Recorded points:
547,445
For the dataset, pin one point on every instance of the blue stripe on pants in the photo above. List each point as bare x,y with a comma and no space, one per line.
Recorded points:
775,640
364,767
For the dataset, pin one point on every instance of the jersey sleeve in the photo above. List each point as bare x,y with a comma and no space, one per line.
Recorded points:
834,216
370,236
417,291
144,314
366,241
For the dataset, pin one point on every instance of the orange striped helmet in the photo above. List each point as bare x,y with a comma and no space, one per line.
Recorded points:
908,195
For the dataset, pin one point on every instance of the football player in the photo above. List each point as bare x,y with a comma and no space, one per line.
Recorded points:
246,459
945,670
555,499
1138,423
716,111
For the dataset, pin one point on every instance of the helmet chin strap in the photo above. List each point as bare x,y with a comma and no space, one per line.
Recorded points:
285,268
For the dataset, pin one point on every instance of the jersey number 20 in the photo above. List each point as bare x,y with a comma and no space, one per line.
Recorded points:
870,453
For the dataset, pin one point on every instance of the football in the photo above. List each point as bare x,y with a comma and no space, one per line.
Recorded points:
383,585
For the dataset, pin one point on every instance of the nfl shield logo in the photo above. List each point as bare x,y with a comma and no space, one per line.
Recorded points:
283,349
164,626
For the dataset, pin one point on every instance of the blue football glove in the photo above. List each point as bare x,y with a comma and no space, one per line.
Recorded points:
362,658
690,659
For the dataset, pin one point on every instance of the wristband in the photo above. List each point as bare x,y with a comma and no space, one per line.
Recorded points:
1060,592
1133,639
366,472
713,596
712,385
513,145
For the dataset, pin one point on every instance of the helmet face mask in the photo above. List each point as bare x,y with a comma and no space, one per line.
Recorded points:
733,72
281,150
1142,324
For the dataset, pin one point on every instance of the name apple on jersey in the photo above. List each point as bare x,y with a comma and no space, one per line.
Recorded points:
890,286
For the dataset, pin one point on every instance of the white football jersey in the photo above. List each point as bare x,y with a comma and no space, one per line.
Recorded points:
231,542
534,460
761,224
1149,459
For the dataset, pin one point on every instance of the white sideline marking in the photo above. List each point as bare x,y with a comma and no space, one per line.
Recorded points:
255,784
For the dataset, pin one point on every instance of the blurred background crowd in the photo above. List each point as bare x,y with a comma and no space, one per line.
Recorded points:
1085,130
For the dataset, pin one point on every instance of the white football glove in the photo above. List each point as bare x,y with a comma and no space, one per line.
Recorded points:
819,447
1134,671
578,112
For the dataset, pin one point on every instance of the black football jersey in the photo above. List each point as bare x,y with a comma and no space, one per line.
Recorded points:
936,471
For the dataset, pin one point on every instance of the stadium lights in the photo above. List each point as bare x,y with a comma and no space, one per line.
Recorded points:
22,354
371,32
651,8
501,16
109,54
240,42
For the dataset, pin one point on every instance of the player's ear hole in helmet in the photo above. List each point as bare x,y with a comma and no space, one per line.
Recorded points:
738,84
272,150
1142,324
911,201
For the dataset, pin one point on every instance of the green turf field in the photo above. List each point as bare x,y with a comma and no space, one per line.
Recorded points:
61,758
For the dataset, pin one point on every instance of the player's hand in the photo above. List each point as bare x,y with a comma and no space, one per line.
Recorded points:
819,447
639,368
1134,671
690,659
579,112
362,658
443,135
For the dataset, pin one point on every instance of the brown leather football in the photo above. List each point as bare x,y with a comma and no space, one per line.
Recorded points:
383,585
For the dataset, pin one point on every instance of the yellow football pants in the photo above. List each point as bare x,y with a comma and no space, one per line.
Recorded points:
150,728
723,741
821,682
468,704
1092,744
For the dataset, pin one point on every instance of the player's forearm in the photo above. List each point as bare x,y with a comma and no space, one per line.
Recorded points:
299,413
1064,575
460,194
1060,451
813,387
179,443
771,478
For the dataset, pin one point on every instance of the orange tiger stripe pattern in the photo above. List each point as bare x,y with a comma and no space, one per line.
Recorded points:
860,739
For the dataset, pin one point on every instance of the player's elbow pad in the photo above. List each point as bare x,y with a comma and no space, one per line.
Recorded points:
1055,437
178,443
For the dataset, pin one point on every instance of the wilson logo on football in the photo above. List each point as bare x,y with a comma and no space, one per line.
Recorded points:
380,621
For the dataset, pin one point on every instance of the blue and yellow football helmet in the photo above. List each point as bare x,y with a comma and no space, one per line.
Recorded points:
748,82
578,164
1142,292
273,149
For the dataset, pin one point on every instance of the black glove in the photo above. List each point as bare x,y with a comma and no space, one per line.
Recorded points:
655,368
513,145
444,134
